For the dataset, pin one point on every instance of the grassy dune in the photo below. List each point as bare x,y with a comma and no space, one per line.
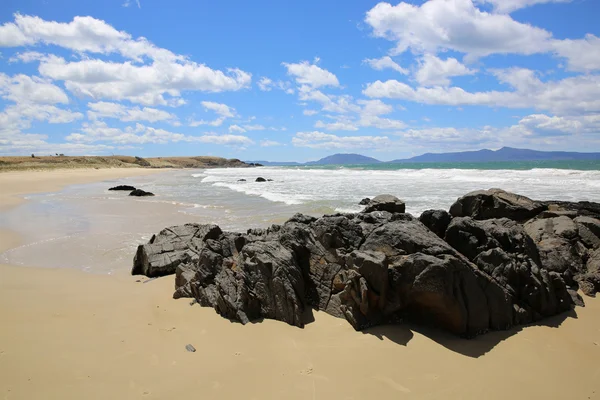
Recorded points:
71,162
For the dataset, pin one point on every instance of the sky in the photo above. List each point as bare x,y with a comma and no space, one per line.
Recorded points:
297,80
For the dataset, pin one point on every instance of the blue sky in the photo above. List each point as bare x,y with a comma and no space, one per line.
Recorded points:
273,80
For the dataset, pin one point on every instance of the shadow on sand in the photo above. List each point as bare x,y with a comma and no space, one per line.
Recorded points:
402,333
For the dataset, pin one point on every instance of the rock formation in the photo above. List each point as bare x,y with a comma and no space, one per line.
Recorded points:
123,187
140,193
475,269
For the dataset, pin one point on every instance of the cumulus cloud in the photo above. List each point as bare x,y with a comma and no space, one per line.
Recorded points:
583,55
573,95
99,131
119,111
320,140
270,143
385,62
149,74
222,110
265,84
434,71
26,89
311,75
236,128
508,6
454,25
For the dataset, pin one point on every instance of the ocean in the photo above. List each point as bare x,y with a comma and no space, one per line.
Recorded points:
87,227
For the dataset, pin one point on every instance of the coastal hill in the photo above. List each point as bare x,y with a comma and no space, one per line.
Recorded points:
505,154
337,159
61,162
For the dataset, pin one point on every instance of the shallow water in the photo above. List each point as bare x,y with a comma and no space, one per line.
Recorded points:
87,227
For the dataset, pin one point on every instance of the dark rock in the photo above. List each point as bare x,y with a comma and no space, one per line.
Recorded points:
558,244
496,203
386,202
582,208
502,249
589,283
171,247
589,231
364,201
190,348
140,193
241,180
436,220
123,187
370,268
269,180
260,179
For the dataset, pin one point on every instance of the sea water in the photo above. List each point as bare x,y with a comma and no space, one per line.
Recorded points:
91,228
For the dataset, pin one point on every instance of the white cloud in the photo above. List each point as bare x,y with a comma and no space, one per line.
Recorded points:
229,140
434,71
236,128
25,89
311,74
574,95
222,110
337,126
156,72
127,3
309,112
99,131
320,140
455,25
382,63
255,127
145,84
583,55
119,111
219,108
508,6
265,84
269,143
216,122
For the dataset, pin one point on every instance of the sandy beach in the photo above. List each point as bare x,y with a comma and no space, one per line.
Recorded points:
67,334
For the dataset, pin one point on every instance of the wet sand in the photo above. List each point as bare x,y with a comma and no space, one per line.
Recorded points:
68,334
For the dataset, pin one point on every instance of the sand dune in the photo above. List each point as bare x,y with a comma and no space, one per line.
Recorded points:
71,335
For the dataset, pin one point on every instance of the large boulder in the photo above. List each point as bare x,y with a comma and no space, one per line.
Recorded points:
171,247
502,249
385,202
558,243
496,203
581,208
436,220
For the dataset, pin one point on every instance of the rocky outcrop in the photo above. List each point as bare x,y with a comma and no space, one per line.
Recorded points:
502,249
123,187
171,247
140,193
496,260
385,202
364,201
581,208
260,179
496,203
436,220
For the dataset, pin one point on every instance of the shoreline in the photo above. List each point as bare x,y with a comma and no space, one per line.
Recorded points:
68,334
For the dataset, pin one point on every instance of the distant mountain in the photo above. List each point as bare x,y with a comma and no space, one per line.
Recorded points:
341,159
503,154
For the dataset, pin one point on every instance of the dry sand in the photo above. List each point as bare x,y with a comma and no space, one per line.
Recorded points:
66,334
